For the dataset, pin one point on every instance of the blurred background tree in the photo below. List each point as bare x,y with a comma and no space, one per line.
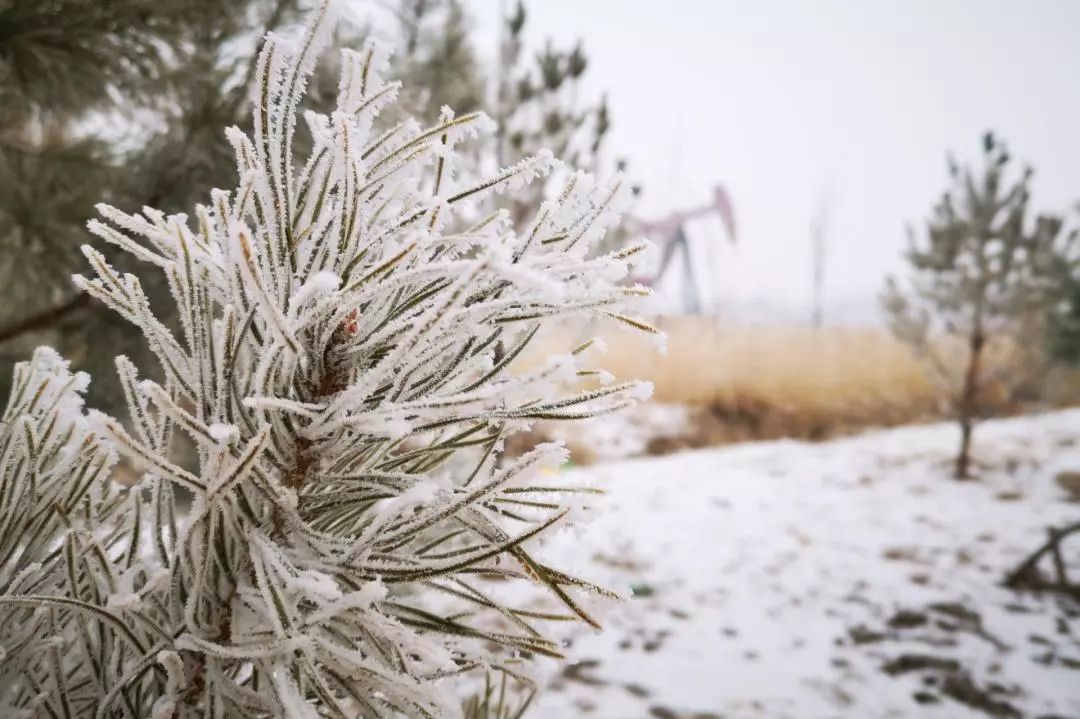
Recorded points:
437,61
1063,318
538,105
121,101
535,97
984,271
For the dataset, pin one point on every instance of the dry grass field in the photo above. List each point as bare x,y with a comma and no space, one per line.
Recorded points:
761,382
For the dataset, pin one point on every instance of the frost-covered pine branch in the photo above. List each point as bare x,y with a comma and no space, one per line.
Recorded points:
346,325
61,527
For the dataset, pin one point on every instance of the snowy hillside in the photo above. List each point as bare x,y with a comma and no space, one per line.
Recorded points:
848,579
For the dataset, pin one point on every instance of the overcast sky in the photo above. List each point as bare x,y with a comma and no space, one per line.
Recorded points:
789,101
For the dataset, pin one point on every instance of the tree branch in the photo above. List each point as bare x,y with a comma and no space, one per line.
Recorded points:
1026,574
45,319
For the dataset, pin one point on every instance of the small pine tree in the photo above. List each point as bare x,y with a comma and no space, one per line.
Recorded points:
538,104
335,365
438,65
981,272
536,99
1063,315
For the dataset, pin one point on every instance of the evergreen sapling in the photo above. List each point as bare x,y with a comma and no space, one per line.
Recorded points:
985,271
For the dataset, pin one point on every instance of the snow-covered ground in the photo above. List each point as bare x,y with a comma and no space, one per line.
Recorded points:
782,579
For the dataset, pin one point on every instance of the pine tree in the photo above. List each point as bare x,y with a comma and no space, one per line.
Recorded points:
535,98
438,66
120,101
538,105
174,72
1063,314
984,270
60,61
334,363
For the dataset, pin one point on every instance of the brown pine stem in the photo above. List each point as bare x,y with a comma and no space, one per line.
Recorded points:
45,319
969,403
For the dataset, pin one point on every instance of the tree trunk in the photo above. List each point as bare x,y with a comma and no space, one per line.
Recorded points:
969,403
964,456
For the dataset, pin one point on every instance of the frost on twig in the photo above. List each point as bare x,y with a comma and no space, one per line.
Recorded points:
346,325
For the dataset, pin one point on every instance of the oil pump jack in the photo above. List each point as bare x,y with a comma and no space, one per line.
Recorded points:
669,233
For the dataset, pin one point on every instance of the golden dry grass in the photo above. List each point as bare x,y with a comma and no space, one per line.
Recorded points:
776,381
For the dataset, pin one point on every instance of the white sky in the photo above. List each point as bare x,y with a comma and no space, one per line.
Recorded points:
784,101
790,102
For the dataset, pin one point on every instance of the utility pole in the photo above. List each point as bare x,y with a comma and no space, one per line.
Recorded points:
819,252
